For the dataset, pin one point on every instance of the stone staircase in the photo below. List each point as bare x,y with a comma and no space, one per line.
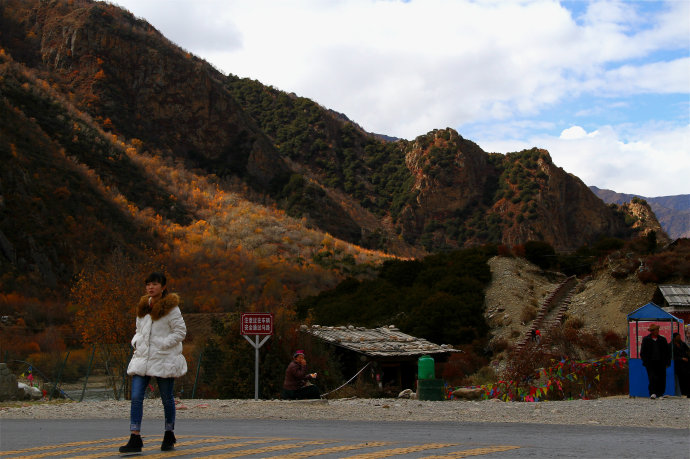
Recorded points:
550,313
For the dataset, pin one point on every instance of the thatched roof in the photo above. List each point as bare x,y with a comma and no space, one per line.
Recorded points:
376,342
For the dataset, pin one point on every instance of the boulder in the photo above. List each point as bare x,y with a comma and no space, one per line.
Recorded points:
467,393
25,392
8,383
407,393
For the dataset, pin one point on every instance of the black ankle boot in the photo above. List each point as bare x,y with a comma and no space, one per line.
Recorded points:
134,444
169,441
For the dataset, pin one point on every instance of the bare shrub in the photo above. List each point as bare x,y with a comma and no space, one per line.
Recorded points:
504,251
523,365
613,340
590,343
528,313
564,341
499,345
462,364
485,375
575,323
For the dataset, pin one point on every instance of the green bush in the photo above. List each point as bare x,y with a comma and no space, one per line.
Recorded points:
439,298
540,253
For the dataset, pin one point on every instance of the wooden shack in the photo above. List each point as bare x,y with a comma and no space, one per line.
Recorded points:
389,355
674,299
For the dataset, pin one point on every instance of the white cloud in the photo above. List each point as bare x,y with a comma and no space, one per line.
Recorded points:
575,132
447,62
652,161
200,27
655,77
403,68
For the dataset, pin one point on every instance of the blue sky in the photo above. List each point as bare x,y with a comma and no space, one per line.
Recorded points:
603,85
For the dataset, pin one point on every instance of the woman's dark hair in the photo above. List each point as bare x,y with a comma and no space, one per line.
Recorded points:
157,277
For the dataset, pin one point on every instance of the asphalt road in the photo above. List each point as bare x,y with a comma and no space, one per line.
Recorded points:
349,439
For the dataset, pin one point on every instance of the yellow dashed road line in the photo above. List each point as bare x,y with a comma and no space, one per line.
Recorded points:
205,449
267,449
396,451
63,445
56,450
332,449
157,446
108,448
473,452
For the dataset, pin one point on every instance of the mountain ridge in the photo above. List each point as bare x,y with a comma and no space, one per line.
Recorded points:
104,87
673,212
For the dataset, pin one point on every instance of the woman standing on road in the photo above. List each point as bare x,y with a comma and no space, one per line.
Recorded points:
157,352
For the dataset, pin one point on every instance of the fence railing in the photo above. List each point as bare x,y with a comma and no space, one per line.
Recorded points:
100,373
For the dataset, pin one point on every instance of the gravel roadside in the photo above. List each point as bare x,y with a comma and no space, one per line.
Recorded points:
670,412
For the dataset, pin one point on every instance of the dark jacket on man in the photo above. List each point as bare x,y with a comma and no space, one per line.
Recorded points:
655,352
656,356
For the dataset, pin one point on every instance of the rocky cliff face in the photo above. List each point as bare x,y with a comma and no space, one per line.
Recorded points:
645,220
136,83
447,193
449,177
569,214
506,199
673,212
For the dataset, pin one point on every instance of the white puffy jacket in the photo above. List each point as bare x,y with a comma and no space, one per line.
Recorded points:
158,339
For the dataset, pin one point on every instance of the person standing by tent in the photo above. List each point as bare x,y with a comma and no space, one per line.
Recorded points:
656,356
681,363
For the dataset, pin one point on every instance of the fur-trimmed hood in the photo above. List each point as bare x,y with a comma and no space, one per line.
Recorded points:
158,340
158,309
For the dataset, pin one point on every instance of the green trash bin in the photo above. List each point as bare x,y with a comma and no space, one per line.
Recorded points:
425,368
430,389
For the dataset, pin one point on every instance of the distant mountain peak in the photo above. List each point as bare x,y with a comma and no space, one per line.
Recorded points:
672,212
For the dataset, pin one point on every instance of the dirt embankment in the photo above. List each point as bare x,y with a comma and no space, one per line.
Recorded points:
600,301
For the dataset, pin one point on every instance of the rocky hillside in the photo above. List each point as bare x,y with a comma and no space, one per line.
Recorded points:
97,104
136,84
437,192
673,212
72,195
601,302
465,194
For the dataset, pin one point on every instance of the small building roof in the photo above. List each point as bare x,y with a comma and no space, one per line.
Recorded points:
651,312
376,342
676,295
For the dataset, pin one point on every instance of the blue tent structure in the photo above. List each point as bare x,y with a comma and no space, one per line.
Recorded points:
638,322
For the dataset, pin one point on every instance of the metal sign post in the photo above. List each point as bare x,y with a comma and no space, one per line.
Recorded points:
257,324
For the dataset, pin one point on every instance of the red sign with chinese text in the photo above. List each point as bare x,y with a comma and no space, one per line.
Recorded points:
638,330
256,323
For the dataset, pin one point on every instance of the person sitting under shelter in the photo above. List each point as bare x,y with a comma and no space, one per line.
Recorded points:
298,383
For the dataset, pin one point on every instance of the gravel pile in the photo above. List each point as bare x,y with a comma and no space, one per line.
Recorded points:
671,412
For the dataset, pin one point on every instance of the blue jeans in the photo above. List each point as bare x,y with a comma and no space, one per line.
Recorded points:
165,387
